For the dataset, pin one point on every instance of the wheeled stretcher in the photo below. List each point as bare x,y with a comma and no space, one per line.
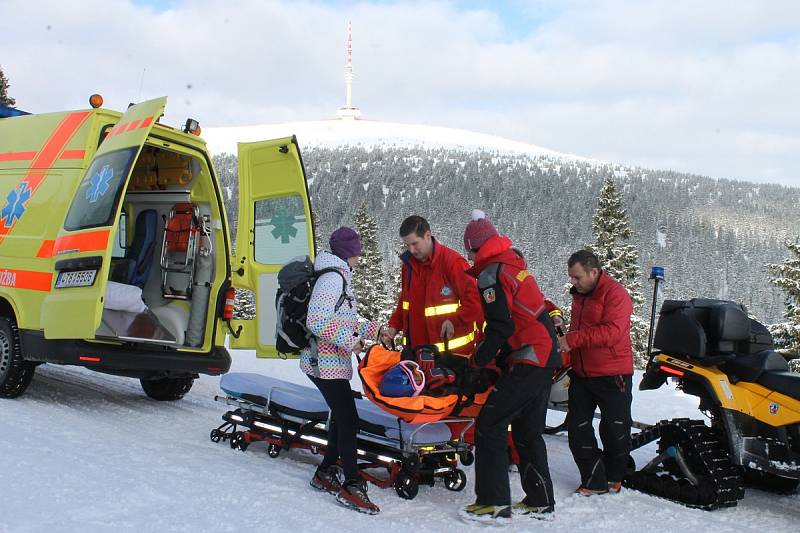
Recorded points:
287,415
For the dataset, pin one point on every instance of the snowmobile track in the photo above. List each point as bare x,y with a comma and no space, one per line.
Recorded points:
719,482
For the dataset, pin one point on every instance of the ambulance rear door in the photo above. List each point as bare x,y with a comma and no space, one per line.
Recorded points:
274,227
82,251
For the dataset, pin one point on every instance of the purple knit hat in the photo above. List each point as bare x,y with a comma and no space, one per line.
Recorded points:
345,243
479,230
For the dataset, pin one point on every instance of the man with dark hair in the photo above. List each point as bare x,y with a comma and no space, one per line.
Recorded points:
438,299
599,342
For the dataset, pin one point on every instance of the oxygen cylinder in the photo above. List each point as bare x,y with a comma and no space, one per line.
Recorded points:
201,288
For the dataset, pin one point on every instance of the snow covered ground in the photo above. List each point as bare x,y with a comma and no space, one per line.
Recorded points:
370,133
86,452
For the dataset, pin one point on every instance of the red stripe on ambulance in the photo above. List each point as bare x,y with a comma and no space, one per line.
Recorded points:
73,154
45,158
46,249
17,156
82,242
26,279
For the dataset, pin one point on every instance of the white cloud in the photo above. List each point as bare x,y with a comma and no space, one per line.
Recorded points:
699,87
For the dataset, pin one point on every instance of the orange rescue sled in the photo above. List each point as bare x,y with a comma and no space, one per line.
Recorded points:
416,409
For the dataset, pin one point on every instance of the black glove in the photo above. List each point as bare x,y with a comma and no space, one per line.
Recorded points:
503,362
407,354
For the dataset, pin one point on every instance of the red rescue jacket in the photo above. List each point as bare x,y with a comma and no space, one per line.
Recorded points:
517,323
434,291
600,332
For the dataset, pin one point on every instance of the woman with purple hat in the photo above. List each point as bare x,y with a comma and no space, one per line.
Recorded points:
338,333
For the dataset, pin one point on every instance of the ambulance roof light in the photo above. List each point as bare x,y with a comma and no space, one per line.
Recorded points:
192,126
7,111
95,101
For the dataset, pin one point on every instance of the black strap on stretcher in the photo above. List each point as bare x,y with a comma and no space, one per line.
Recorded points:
289,440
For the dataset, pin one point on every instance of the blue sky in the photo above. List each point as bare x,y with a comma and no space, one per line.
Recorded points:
703,87
519,17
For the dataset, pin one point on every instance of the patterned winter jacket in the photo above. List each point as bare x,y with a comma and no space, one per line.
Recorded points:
336,332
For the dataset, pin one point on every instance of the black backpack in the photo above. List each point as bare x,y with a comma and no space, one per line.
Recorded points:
296,281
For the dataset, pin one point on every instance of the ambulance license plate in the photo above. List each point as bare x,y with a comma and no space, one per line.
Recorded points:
76,278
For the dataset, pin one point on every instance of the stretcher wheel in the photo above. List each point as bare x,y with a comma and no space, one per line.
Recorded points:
406,486
238,442
467,458
411,462
455,480
273,450
216,435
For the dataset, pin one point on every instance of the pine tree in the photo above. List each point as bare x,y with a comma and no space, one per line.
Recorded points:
368,280
5,99
786,275
394,284
610,226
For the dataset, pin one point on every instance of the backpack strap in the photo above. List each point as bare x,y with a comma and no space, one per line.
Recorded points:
318,274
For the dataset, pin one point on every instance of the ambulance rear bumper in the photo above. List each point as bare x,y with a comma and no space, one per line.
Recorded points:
128,360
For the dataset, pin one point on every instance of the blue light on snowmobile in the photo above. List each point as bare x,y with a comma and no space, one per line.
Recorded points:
657,273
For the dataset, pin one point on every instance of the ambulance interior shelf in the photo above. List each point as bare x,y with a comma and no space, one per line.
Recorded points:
159,170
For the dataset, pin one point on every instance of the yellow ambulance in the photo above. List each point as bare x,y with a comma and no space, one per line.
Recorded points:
115,252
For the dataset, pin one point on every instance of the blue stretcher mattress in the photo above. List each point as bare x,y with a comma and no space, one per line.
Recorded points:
306,399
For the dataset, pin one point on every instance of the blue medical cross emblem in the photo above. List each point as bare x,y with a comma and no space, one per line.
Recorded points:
99,184
15,207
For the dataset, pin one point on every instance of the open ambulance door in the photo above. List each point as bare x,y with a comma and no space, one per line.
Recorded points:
274,227
82,250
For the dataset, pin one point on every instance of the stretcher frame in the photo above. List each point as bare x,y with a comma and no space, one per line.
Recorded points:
406,462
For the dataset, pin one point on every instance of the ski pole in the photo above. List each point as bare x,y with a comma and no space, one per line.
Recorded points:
657,275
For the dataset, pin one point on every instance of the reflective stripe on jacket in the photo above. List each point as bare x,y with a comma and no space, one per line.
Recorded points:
434,291
517,324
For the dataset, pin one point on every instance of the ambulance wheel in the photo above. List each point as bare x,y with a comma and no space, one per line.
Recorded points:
455,480
15,373
273,450
467,458
167,389
406,486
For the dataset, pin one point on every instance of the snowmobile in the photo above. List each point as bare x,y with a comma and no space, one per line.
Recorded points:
715,351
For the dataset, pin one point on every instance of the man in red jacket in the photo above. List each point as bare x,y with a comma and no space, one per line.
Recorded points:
599,342
438,299
520,338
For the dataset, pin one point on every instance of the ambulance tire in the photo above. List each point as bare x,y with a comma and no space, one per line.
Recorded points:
166,389
15,373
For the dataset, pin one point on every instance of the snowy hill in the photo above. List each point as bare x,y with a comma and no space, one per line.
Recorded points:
369,133
86,452
544,200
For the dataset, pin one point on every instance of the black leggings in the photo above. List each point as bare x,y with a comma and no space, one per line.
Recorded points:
344,425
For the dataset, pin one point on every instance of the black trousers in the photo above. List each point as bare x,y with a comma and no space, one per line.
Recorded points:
520,399
344,425
613,395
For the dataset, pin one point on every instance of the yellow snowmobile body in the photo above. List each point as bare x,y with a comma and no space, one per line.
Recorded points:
716,352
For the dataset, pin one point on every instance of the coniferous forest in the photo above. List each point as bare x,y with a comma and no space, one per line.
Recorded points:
714,237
